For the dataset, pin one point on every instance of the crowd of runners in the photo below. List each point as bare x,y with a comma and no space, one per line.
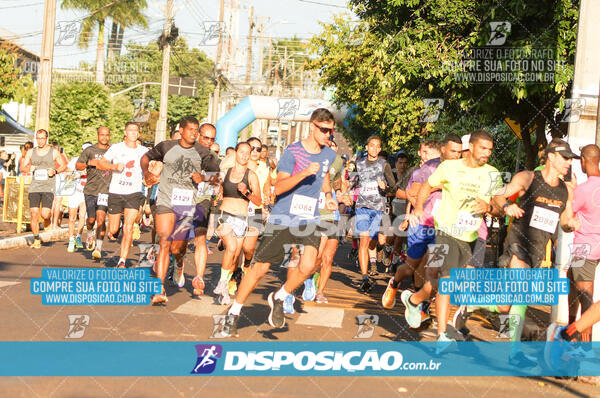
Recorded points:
296,212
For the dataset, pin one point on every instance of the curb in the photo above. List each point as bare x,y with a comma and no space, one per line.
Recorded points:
26,240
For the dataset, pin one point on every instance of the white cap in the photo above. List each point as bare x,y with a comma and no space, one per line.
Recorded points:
465,142
86,146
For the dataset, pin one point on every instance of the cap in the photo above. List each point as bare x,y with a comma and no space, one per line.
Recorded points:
86,146
564,149
465,142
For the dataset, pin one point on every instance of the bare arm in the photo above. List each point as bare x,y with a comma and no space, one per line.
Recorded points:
519,184
254,195
412,192
26,167
62,165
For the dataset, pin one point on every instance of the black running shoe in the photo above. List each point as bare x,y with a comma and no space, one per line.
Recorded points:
366,285
276,316
459,321
237,276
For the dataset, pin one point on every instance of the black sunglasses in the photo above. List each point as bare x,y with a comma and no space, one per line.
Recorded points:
208,138
324,130
255,148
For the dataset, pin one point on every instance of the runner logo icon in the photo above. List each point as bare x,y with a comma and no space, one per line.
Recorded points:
207,358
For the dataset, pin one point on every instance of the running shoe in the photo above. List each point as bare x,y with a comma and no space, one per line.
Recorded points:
444,342
522,361
221,288
121,264
388,300
276,316
97,254
159,298
459,321
380,255
373,269
90,241
366,285
37,244
556,346
71,246
112,237
225,299
320,298
231,287
387,253
198,285
78,242
309,290
288,304
178,276
136,231
412,313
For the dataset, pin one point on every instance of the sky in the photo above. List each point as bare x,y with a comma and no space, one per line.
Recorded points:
285,18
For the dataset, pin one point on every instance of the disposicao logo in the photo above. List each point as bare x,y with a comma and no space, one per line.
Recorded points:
207,358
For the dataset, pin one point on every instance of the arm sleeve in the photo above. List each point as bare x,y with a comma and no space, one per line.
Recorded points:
287,162
438,176
159,151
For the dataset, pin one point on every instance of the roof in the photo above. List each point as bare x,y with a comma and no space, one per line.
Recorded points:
11,127
10,37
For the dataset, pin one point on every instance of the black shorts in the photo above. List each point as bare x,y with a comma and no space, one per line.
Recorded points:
92,206
478,259
533,258
117,203
448,253
584,270
43,198
278,239
203,223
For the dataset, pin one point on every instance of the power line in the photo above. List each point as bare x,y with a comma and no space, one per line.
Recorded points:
21,6
323,4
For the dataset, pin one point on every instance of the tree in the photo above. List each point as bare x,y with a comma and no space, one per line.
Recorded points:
284,60
404,51
127,12
9,76
78,109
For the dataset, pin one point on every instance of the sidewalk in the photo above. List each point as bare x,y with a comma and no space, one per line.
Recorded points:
10,239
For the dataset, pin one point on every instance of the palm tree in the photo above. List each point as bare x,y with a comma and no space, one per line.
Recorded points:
127,12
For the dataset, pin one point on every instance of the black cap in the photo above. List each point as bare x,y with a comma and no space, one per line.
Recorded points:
564,149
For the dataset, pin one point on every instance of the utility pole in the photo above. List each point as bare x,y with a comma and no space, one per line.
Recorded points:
261,29
161,126
42,119
217,92
249,58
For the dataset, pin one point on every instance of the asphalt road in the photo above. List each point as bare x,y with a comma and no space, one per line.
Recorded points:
24,318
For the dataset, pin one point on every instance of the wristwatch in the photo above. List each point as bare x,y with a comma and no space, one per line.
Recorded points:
508,203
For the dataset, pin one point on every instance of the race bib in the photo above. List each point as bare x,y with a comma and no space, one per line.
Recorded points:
237,225
125,181
40,174
544,219
303,206
467,221
182,197
322,200
102,199
371,188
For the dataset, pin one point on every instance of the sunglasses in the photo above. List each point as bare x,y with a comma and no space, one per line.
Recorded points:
208,138
255,148
324,130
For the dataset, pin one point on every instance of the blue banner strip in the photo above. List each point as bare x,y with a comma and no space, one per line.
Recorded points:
225,358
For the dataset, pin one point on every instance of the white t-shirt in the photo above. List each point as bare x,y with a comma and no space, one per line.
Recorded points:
130,180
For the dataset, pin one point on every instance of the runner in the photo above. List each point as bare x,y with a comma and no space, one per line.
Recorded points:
544,200
586,200
375,180
177,211
302,175
125,189
465,185
240,187
421,234
96,191
207,190
41,162
330,231
75,184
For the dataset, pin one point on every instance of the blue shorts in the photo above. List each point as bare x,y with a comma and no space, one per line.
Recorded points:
368,220
418,239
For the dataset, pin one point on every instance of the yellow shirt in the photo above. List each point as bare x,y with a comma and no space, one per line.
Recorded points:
461,185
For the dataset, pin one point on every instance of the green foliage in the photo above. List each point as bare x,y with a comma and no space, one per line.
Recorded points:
8,76
78,109
399,53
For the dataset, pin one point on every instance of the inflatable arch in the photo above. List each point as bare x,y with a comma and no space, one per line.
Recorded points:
262,107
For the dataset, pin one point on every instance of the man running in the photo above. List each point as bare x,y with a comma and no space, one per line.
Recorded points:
302,174
421,234
40,162
586,207
177,210
125,189
375,179
466,193
544,201
96,190
206,190
74,186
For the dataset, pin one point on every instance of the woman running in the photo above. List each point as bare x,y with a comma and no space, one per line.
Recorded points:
240,187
